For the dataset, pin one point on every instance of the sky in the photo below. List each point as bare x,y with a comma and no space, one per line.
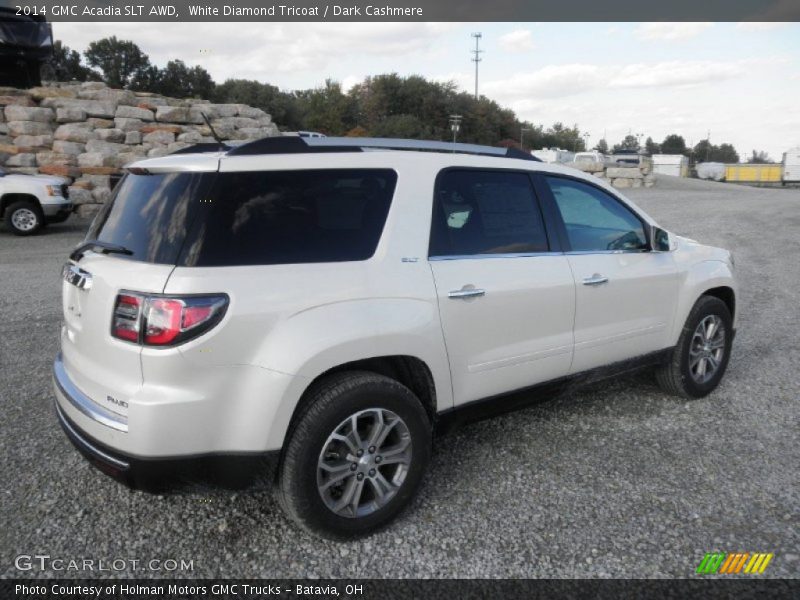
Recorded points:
740,82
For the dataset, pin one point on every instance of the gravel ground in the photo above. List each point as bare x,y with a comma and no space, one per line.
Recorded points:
615,480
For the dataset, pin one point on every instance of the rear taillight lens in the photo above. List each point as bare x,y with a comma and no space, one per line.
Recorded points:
165,320
127,317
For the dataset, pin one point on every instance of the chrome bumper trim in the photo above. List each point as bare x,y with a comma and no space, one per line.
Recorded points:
79,438
82,402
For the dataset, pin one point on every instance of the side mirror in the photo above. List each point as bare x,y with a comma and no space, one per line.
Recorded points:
659,240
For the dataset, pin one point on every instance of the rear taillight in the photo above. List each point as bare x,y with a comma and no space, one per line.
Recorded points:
165,320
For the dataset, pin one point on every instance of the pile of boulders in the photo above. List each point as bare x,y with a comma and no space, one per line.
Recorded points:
86,132
619,177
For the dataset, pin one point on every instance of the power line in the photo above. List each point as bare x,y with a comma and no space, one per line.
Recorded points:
477,58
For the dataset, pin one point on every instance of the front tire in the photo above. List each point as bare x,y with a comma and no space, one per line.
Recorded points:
355,456
24,217
702,353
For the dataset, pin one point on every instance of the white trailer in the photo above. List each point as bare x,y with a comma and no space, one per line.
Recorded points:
791,165
676,165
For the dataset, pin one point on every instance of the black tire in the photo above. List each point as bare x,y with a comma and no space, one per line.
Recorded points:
30,210
675,377
328,404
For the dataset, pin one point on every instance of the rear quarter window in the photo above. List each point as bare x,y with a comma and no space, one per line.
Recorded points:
290,217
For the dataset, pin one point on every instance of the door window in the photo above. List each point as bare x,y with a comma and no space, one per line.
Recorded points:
485,212
596,221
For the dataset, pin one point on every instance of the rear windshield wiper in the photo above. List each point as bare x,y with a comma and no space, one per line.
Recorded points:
104,247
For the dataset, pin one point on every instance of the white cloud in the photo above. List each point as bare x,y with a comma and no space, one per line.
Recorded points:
670,31
557,81
519,40
759,25
261,50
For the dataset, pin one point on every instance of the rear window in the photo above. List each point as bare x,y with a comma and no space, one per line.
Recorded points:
151,215
249,218
287,217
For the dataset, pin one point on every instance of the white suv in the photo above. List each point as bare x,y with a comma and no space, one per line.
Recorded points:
329,302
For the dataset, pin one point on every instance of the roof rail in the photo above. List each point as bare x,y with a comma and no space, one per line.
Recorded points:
204,148
292,145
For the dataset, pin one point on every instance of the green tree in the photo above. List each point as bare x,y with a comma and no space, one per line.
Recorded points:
602,146
65,65
759,157
180,81
705,151
629,143
651,147
726,153
327,109
119,60
674,144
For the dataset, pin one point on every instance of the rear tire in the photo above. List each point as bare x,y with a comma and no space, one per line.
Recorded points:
355,455
24,217
702,353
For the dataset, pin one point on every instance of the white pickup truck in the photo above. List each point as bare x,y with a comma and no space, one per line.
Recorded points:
29,202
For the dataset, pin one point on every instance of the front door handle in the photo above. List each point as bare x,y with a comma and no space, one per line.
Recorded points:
466,292
595,279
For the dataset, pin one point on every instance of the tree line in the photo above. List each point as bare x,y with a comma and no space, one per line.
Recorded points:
386,105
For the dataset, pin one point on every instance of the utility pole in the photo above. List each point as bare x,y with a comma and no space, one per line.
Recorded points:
708,145
477,52
455,126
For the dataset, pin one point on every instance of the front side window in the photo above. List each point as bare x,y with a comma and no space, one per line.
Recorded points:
291,217
596,221
485,212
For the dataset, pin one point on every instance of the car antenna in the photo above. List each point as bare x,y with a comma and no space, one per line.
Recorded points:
214,133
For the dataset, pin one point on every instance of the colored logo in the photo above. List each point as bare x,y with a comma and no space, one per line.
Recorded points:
729,563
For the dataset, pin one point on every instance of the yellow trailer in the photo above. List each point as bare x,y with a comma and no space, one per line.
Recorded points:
753,173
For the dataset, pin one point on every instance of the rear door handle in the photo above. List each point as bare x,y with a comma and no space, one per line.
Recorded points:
595,279
466,292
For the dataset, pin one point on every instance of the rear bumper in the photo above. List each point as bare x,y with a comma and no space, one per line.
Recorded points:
228,469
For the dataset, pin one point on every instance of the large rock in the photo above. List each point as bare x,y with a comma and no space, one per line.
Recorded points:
29,128
107,148
134,112
133,137
70,114
29,113
33,141
93,108
21,160
101,194
74,132
177,114
215,111
55,158
159,137
68,147
97,123
79,196
622,182
626,172
111,135
109,95
95,159
7,100
128,124
40,93
588,167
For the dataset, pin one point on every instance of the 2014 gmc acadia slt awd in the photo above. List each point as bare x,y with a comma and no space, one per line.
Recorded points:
328,302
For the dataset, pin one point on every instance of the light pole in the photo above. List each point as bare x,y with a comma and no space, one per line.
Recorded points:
639,137
585,140
522,134
455,126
